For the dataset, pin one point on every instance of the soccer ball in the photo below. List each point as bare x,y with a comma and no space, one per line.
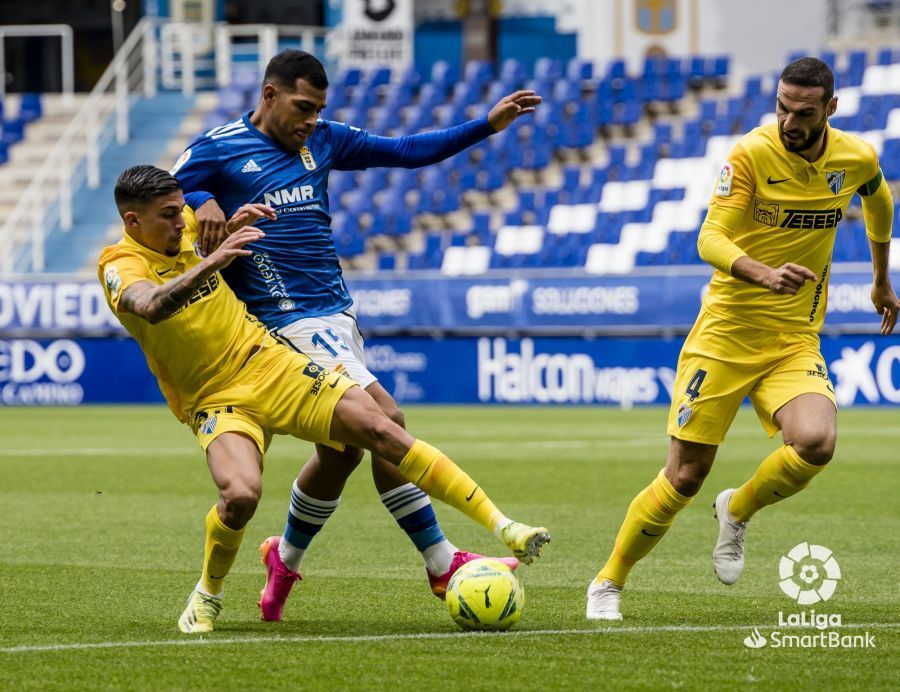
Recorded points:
485,594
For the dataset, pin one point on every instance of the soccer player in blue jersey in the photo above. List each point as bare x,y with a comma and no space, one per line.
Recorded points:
280,155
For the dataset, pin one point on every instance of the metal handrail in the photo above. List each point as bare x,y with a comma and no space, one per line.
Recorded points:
134,69
267,36
27,220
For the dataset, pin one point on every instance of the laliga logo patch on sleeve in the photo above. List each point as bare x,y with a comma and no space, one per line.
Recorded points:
183,159
112,280
723,184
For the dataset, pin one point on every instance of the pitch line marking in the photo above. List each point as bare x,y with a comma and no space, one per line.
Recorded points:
200,641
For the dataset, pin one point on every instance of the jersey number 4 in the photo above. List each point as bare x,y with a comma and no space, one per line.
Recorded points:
693,388
319,342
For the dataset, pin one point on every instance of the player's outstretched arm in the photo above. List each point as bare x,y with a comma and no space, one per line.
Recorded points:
365,150
511,107
156,303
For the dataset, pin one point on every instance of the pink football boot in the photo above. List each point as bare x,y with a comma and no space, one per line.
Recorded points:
279,581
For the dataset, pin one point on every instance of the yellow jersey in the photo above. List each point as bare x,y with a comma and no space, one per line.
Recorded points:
784,209
198,350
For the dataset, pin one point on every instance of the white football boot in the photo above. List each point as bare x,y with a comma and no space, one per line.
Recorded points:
728,555
603,601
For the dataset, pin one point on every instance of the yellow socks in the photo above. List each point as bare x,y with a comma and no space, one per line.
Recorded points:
649,516
434,473
221,548
781,474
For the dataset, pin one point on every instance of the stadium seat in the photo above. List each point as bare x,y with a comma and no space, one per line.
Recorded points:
30,107
512,74
465,260
577,70
13,131
443,75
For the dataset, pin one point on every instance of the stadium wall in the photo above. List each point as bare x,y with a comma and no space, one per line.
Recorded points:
519,339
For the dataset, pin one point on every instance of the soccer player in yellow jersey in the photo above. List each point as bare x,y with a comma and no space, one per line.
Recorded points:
223,375
769,233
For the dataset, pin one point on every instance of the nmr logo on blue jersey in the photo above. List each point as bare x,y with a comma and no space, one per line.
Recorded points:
294,271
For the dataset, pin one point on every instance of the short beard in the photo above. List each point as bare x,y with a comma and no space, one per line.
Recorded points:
807,143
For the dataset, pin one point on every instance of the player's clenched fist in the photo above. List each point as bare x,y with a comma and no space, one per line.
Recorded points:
788,278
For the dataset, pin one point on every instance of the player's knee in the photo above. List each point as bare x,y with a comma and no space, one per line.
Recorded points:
382,433
351,456
241,500
337,465
816,449
689,479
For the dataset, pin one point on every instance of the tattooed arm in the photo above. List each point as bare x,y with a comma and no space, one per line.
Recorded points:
156,303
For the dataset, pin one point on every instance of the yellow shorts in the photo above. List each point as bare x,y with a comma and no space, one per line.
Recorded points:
722,362
278,392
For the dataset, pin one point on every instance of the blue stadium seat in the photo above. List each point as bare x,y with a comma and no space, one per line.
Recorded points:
232,100
890,159
30,107
349,77
547,69
512,74
708,110
245,79
578,69
387,261
720,67
477,73
431,95
418,117
696,72
13,131
348,239
616,69
466,94
410,78
378,76
443,75
885,56
385,119
566,91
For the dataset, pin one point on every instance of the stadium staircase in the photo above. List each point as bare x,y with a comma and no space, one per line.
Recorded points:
30,124
153,124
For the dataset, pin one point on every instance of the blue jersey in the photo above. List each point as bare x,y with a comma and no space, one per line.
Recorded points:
294,271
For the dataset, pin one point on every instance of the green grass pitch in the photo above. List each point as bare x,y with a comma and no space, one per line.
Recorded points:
102,528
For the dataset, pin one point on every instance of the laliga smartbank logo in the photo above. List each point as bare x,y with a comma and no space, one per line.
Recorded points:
809,574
